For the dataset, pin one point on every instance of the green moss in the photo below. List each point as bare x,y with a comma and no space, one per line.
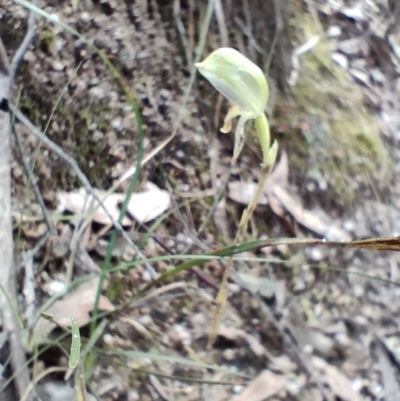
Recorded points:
73,136
46,40
339,139
117,284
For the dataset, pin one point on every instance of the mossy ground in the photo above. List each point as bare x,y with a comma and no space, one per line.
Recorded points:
331,134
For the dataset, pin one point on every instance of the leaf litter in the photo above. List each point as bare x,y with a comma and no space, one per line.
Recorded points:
78,304
277,196
264,386
143,206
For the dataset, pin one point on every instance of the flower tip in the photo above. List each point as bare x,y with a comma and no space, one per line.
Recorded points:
199,65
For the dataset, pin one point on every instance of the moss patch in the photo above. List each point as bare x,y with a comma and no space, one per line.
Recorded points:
337,138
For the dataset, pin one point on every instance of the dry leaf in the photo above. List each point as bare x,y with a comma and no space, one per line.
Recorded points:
77,304
137,326
256,285
243,192
337,381
308,218
281,202
262,387
60,243
79,202
148,205
390,384
143,206
232,333
52,390
321,343
84,261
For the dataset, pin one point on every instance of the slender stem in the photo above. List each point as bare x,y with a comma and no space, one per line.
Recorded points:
263,133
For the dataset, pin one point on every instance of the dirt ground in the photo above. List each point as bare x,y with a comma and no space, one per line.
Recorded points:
303,323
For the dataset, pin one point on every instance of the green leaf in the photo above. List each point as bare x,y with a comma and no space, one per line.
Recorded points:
75,344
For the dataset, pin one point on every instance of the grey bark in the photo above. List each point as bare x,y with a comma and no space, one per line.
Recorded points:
7,271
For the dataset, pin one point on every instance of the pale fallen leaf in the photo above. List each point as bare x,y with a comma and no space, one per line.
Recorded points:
84,261
232,333
60,243
143,206
340,385
77,304
282,363
265,385
137,326
52,390
243,192
164,393
80,202
281,202
150,204
309,219
321,343
257,285
390,384
392,344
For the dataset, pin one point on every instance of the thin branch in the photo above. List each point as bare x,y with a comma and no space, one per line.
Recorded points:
32,253
30,33
33,181
182,31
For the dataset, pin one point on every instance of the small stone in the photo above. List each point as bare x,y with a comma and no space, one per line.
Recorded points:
97,135
237,389
116,124
229,355
97,92
133,395
341,60
29,56
334,31
55,287
349,225
85,16
59,44
57,65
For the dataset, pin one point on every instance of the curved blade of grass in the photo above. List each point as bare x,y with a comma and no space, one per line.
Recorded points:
180,378
170,359
380,244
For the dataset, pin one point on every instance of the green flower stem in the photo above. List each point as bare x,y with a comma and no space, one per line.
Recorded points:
263,133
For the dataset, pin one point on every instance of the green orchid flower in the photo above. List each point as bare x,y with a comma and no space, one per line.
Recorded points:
245,86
